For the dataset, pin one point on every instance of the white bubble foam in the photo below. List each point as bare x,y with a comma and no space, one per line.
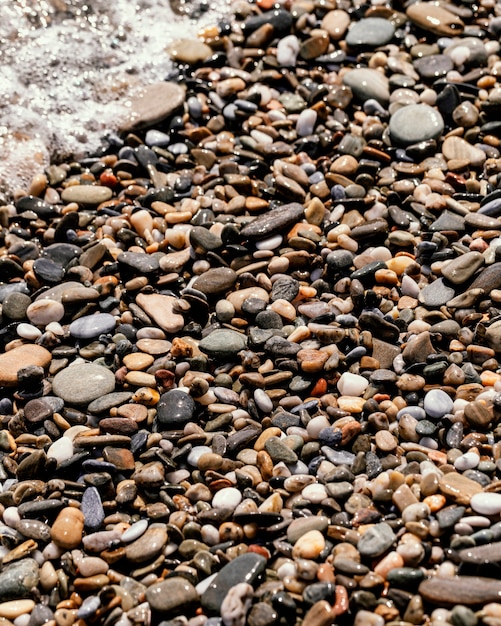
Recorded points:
69,68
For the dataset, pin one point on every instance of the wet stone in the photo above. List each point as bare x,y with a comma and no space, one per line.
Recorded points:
246,568
223,344
376,540
91,326
18,579
171,595
414,123
175,409
370,32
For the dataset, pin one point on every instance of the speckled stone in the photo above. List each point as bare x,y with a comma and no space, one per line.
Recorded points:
83,383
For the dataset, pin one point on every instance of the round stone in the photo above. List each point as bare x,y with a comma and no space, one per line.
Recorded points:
368,83
437,403
83,383
171,595
89,195
175,408
154,103
414,123
223,344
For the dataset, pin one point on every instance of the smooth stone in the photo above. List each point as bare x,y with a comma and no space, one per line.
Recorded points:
273,221
457,148
243,569
482,555
228,497
216,281
61,450
414,123
161,309
88,195
299,527
108,401
435,19
43,312
459,488
18,358
370,32
175,408
376,540
336,23
433,65
16,305
90,326
466,590
148,546
352,384
138,262
437,403
486,503
18,579
83,383
154,103
309,545
488,279
368,83
459,270
223,344
189,51
171,595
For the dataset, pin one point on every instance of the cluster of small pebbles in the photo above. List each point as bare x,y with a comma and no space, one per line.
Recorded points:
250,362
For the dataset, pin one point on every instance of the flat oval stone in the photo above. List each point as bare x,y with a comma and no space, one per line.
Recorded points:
18,358
273,221
223,344
460,489
432,17
414,123
216,281
469,590
370,32
154,103
90,326
89,195
171,595
189,51
148,546
457,148
83,383
486,503
368,83
437,403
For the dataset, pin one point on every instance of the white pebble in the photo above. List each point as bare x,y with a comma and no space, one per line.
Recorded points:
409,287
486,503
352,384
11,516
287,51
306,121
229,497
271,243
135,531
467,461
55,328
314,493
28,331
263,400
61,450
478,521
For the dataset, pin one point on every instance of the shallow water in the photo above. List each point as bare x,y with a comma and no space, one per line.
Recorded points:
68,68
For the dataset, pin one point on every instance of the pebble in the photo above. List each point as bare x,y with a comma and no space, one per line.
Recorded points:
171,595
14,360
415,123
368,84
91,326
486,503
370,32
83,383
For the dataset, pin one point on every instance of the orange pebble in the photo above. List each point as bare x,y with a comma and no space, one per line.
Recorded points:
435,502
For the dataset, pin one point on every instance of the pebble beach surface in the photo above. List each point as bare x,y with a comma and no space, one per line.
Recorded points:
250,351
